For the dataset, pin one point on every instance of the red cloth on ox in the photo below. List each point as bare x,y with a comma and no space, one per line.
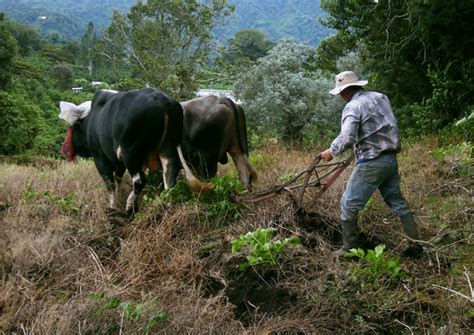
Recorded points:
67,149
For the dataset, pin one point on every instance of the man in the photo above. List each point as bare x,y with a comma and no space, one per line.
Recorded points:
370,127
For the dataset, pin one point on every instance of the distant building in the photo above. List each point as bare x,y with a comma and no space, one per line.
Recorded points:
220,93
77,89
96,83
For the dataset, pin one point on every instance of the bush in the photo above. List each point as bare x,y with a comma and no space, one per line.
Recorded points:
281,96
20,123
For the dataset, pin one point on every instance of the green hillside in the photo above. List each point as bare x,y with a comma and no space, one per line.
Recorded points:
68,18
280,19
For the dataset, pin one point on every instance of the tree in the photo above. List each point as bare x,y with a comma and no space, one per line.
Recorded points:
8,50
280,95
241,53
420,53
248,43
28,39
63,76
20,123
87,48
167,41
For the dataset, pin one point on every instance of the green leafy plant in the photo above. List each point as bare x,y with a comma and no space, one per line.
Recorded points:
131,310
216,204
67,203
458,155
261,248
377,266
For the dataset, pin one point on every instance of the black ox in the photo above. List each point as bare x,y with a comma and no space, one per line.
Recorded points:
130,131
212,128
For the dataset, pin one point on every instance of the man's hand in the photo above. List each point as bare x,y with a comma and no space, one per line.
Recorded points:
326,155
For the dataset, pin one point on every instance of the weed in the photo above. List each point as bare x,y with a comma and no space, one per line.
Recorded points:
459,155
106,302
67,204
261,160
380,267
158,317
261,249
217,203
132,311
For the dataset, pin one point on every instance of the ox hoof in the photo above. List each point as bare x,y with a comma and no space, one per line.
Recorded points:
132,211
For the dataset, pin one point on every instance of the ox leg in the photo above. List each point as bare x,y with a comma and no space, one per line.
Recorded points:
119,172
245,170
139,182
211,167
107,173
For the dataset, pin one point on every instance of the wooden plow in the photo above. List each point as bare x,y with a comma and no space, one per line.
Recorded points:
314,176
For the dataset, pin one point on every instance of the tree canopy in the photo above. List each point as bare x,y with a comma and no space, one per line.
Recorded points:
418,52
166,41
281,97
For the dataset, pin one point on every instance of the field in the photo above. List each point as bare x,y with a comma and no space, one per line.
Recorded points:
70,266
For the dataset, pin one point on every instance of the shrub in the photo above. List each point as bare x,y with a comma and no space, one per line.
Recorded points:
458,155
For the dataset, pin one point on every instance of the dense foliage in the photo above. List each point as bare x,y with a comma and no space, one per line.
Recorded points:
65,19
420,53
35,76
68,19
285,97
165,41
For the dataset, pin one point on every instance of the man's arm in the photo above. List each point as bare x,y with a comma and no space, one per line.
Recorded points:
346,138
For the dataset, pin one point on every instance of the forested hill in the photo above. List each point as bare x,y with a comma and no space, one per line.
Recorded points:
69,18
280,19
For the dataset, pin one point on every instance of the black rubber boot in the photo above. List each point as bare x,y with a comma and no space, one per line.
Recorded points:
350,237
413,249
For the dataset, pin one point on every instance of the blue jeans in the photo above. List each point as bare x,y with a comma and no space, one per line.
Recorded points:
380,173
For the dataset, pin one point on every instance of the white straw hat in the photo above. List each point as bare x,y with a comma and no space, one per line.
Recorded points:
346,79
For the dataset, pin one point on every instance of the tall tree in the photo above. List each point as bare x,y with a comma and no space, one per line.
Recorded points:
63,76
240,54
280,95
8,49
166,41
248,43
87,48
419,52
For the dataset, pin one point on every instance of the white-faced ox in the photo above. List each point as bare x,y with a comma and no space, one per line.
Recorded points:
212,128
130,131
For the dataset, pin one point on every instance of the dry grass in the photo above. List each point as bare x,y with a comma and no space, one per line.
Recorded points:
66,265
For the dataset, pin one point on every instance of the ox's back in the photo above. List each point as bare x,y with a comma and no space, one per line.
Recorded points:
134,121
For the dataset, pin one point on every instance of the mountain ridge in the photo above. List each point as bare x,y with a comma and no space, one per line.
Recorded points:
276,18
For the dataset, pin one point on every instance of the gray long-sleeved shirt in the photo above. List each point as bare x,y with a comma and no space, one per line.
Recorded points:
369,125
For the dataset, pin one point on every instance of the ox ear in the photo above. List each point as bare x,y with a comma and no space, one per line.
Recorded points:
85,108
69,112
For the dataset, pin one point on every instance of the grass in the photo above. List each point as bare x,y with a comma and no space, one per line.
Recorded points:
68,266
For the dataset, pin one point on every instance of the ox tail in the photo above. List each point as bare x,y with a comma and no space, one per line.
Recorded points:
193,182
240,126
